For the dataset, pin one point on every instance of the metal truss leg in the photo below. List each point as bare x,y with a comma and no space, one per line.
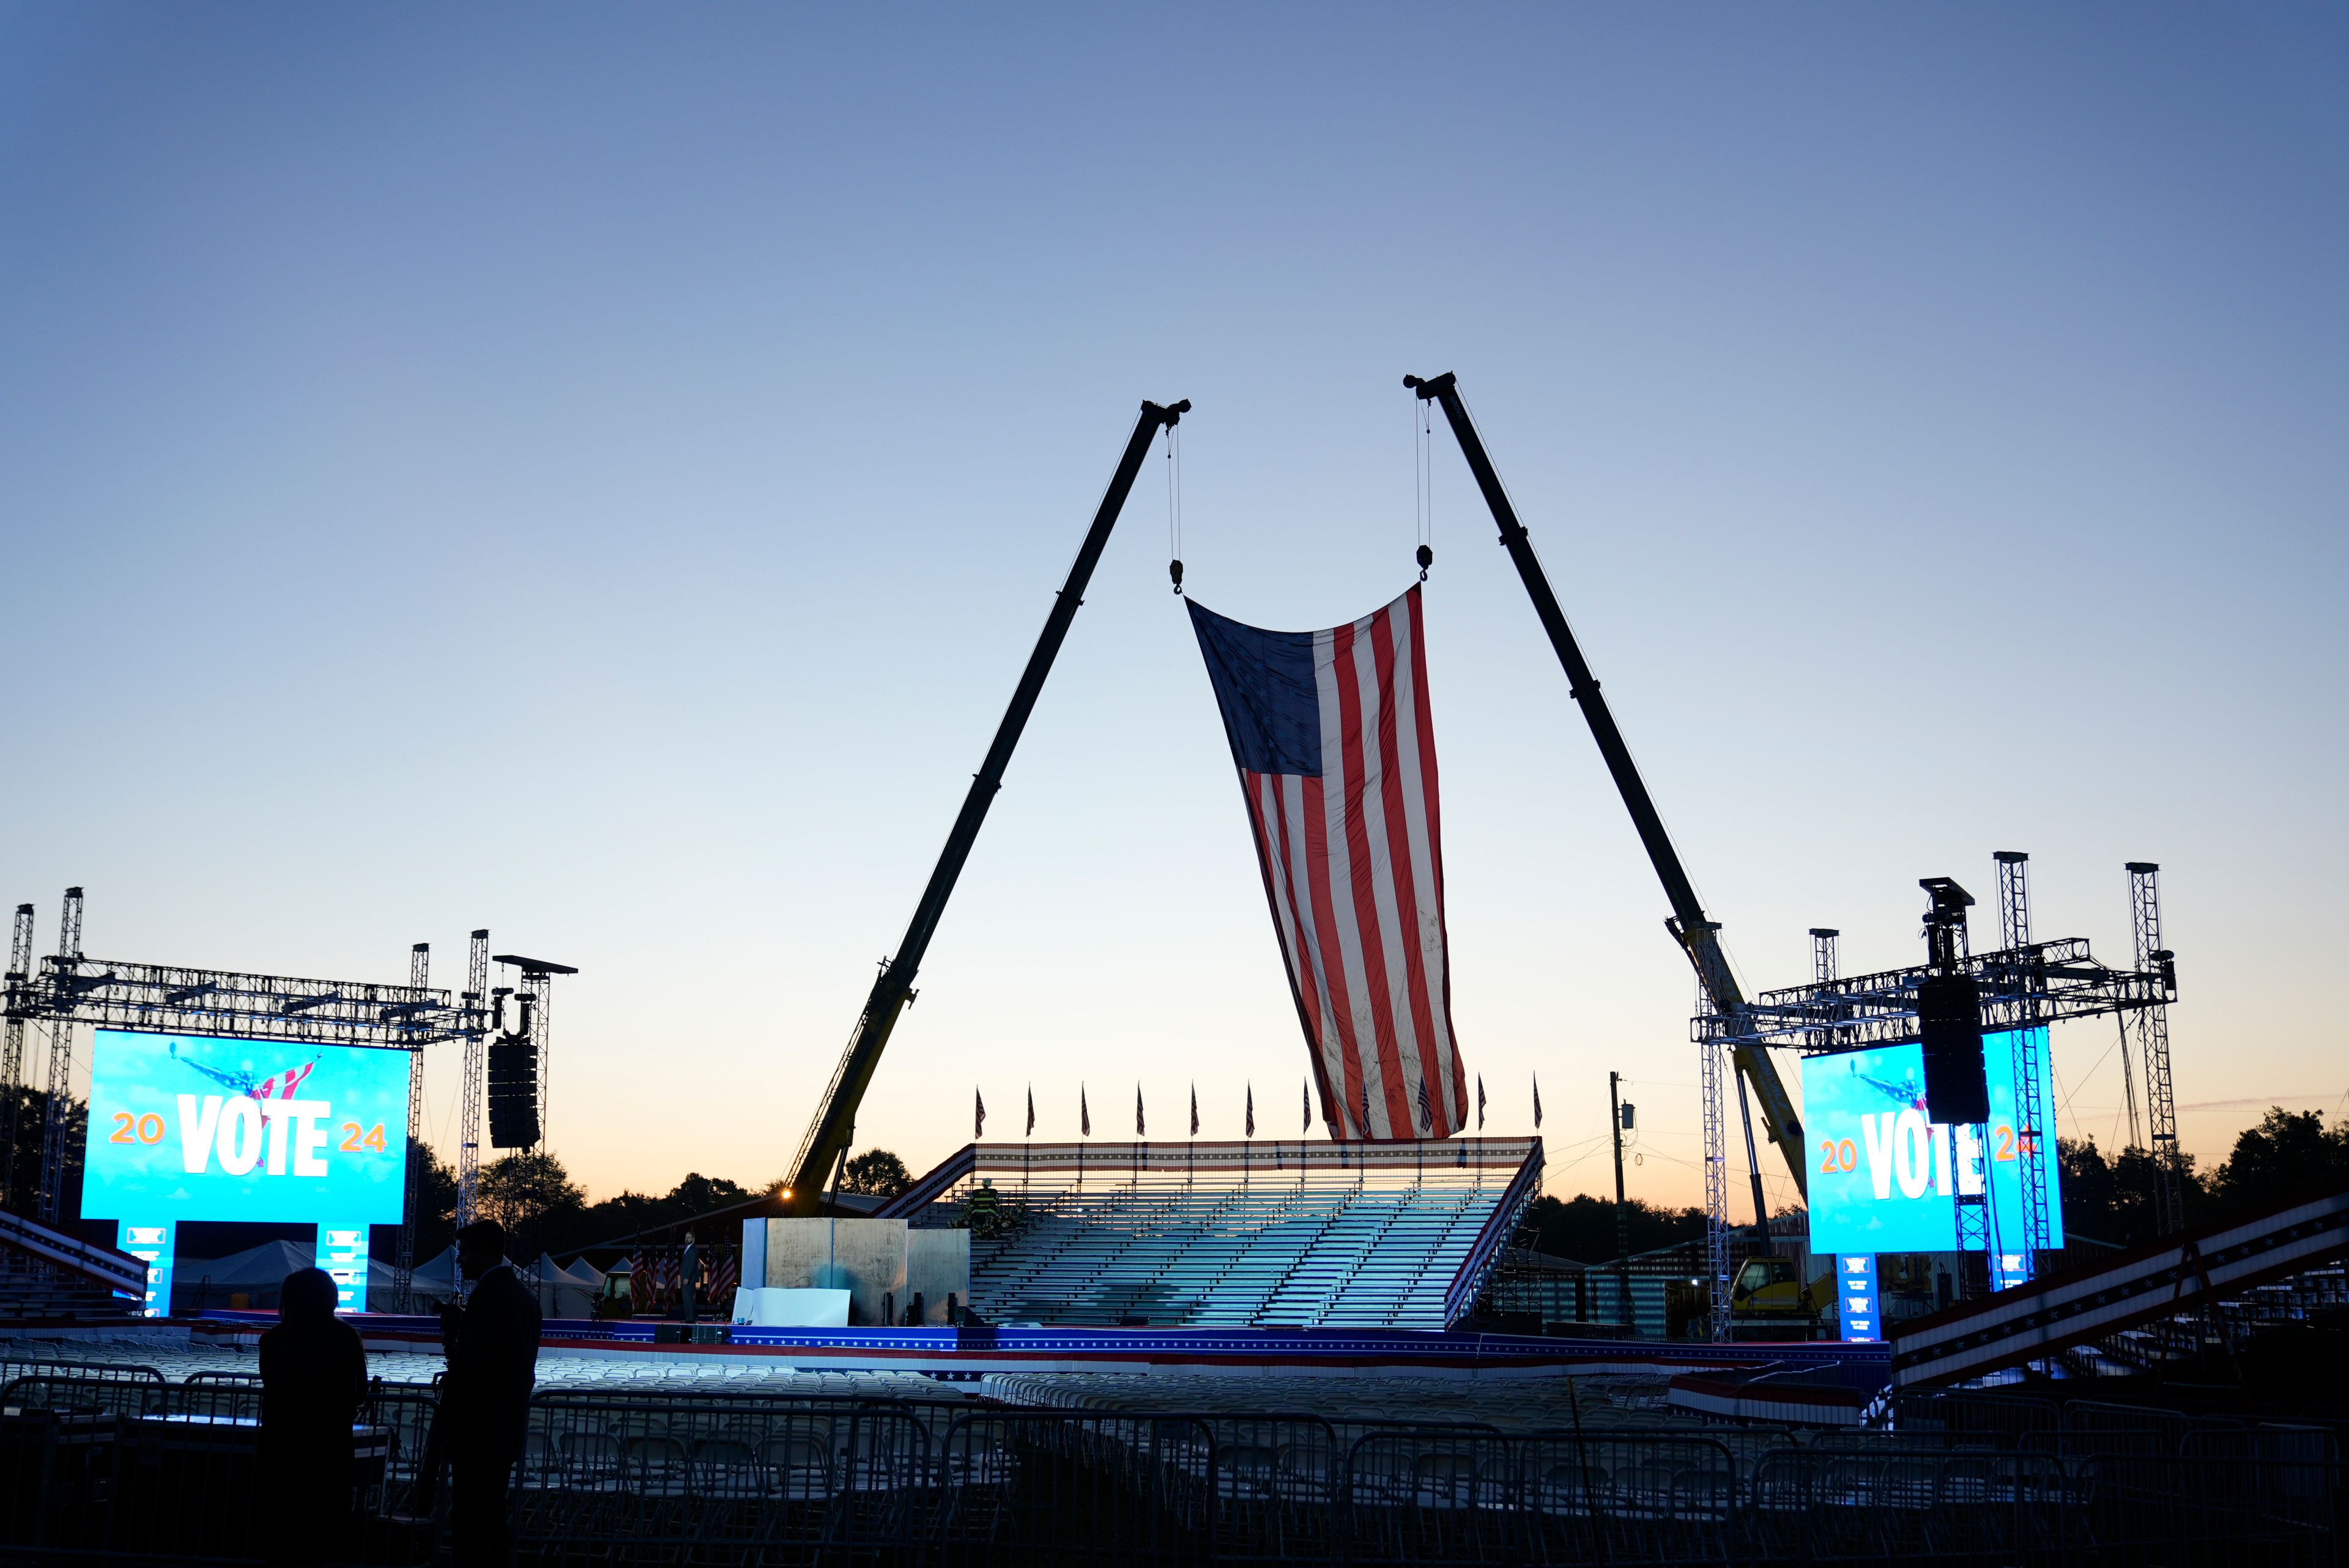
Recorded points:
2152,1043
403,1265
1712,1065
51,1198
11,1047
2033,1146
1973,1215
12,1092
468,1090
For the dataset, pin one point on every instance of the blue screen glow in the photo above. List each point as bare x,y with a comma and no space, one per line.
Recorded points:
1885,1176
187,1127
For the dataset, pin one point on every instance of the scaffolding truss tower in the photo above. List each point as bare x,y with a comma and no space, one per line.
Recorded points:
1711,1059
12,1048
403,1264
50,1197
2035,1224
2153,1048
469,1088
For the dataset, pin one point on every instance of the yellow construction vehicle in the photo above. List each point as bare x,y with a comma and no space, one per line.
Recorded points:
1771,1289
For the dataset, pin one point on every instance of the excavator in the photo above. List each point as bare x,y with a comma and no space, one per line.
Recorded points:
824,1146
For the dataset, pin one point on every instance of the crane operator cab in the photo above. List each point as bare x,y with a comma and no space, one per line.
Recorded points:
1773,1289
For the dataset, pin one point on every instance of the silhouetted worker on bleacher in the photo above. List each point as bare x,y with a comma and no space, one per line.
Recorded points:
983,1211
313,1376
485,1396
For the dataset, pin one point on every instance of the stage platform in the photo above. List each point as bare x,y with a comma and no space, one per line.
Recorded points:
969,1354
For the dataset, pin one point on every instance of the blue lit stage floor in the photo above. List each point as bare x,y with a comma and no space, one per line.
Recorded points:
973,1352
1507,1381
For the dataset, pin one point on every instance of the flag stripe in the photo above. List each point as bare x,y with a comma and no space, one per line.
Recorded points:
1323,857
1422,802
1329,1056
1415,852
1414,1029
1366,980
1262,792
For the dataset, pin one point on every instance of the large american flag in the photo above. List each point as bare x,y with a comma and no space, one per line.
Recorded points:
1336,759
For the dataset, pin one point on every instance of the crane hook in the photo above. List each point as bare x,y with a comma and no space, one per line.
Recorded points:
1175,570
1426,559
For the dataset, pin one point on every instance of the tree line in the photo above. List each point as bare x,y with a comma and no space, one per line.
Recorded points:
518,1188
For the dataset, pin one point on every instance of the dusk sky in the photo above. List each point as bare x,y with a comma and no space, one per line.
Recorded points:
596,473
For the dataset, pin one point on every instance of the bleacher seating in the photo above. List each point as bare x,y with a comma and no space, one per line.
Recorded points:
46,1274
1234,1235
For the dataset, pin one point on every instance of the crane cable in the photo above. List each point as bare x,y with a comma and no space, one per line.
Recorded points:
1423,484
1174,505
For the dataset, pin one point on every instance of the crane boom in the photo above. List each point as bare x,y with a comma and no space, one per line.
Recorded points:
828,1134
1698,937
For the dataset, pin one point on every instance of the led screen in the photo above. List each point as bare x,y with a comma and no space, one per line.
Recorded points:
187,1127
1886,1176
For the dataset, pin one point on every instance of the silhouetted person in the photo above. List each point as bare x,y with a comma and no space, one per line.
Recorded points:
688,1271
313,1376
485,1396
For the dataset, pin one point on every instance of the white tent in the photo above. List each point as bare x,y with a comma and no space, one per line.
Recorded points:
562,1293
254,1274
435,1280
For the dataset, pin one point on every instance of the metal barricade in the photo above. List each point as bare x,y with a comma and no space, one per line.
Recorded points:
733,1479
1277,1481
75,1390
172,1473
1019,1487
1450,1494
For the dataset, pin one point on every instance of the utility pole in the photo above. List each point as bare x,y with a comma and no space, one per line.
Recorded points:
1622,1217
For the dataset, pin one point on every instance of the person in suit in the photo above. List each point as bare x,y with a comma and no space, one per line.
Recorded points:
485,1395
312,1378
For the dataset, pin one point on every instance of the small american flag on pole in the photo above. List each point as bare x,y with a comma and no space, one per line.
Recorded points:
1140,1127
1331,733
978,1116
1480,1102
1195,1110
1537,1099
1251,1111
1085,1114
1032,1109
